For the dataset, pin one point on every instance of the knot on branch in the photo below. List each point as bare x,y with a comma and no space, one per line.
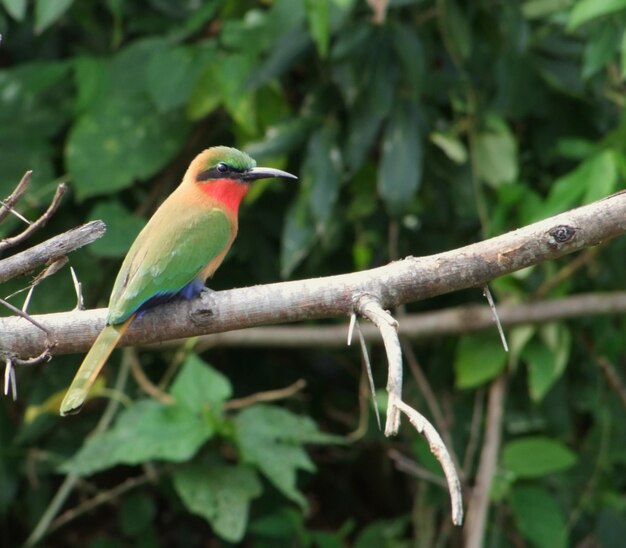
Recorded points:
561,234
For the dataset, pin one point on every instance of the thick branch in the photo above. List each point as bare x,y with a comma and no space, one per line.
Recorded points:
400,282
50,250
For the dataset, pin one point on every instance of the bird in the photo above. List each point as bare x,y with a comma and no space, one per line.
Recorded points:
182,245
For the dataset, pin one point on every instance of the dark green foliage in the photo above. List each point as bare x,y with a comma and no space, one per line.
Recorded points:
450,122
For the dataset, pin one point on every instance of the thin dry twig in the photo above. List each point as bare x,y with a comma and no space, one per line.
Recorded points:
144,382
612,377
369,307
478,504
429,396
409,466
33,227
102,497
438,449
6,206
268,395
379,7
25,315
368,370
496,318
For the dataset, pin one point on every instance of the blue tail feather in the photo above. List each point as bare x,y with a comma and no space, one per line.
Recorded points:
188,292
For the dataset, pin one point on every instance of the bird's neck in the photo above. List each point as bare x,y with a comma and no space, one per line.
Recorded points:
225,192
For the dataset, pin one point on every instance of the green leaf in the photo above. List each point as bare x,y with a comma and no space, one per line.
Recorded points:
451,146
586,10
47,12
199,385
496,153
298,235
145,431
136,514
479,358
596,177
220,494
546,360
272,439
321,173
318,18
539,517
599,50
15,8
170,76
363,128
383,533
457,29
604,177
122,229
409,50
123,140
400,168
536,456
280,139
290,45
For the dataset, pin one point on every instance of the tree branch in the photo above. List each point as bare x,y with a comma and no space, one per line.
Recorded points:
6,206
50,250
450,321
35,226
409,280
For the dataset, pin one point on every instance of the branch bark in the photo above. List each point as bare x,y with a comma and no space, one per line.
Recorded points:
409,280
50,250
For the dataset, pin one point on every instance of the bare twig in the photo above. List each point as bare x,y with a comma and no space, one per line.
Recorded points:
367,366
9,379
370,308
48,271
472,443
429,396
6,206
379,7
102,497
478,504
44,357
438,449
33,227
268,395
612,377
24,315
496,318
144,382
409,466
78,288
50,250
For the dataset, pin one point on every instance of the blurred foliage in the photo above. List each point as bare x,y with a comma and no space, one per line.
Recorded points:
449,122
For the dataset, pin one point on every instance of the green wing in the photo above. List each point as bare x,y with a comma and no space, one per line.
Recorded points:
169,253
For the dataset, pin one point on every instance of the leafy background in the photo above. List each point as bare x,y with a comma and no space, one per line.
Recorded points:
442,124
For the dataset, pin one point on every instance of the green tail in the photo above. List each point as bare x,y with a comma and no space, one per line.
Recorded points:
92,364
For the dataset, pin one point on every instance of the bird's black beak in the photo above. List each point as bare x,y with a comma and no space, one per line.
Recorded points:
265,173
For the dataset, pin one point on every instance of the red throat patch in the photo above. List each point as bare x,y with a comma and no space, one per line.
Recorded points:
227,192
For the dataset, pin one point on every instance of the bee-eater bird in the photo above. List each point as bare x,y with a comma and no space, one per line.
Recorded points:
182,245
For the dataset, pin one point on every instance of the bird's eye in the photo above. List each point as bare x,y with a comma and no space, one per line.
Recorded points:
222,167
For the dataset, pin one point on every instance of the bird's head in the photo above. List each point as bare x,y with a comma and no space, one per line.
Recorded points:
225,174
